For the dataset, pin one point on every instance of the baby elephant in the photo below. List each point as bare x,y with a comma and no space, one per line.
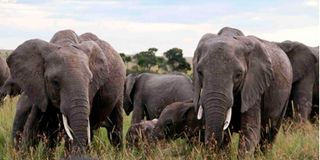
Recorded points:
176,120
140,132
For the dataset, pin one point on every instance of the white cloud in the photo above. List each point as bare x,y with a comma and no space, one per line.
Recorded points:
312,3
131,36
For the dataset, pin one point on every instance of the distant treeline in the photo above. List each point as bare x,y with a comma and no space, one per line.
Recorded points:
147,61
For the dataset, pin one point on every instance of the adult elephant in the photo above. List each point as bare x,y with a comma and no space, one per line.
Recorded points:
242,78
147,94
305,67
82,78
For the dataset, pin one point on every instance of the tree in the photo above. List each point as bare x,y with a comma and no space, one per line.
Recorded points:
146,59
126,59
176,61
162,63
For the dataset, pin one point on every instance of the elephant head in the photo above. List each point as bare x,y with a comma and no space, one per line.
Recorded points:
140,132
225,67
129,90
176,120
65,76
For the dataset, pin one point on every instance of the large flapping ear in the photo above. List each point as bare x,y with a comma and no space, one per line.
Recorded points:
97,65
259,73
301,58
187,111
197,86
26,65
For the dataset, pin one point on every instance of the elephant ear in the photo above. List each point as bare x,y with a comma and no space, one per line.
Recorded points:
187,111
259,73
97,64
196,80
26,65
130,86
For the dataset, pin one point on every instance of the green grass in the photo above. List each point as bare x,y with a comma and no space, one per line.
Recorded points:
295,141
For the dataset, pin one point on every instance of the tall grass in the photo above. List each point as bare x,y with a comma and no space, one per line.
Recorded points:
294,141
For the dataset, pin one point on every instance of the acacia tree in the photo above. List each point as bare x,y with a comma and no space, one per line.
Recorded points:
176,61
146,59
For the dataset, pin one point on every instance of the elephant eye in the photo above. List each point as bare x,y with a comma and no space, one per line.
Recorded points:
238,76
55,83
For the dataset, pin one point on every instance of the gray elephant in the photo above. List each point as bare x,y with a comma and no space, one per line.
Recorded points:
76,81
242,78
305,67
147,94
4,75
140,133
178,120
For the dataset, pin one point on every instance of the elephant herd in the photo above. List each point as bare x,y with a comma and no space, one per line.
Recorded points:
74,84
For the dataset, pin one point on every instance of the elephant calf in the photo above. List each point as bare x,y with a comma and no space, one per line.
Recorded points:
140,132
176,120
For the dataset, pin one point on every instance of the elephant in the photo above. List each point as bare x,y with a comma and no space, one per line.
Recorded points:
178,120
147,94
305,67
4,75
74,81
241,83
140,132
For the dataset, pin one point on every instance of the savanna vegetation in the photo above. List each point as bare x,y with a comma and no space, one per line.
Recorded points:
295,141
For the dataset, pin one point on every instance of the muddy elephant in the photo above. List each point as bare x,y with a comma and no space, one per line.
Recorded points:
305,67
77,81
147,94
241,83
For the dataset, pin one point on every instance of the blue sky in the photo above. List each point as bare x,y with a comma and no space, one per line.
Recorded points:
133,26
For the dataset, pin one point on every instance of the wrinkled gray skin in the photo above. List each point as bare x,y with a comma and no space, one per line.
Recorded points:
147,94
177,120
248,74
305,86
140,132
79,77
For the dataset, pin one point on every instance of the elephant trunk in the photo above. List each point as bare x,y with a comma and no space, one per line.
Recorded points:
215,107
79,129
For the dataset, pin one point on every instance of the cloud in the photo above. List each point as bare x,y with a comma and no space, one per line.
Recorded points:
312,3
132,26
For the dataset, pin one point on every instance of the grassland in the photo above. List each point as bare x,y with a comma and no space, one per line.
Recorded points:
295,141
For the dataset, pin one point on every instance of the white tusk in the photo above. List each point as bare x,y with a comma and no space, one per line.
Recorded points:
67,127
88,130
200,110
5,98
228,119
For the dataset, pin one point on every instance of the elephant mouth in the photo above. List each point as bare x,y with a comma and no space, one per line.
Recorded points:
69,130
226,121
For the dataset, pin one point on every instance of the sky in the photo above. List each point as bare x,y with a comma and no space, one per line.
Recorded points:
136,25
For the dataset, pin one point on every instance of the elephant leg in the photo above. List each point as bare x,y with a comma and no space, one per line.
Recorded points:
302,97
22,112
273,111
31,128
138,112
249,130
115,125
